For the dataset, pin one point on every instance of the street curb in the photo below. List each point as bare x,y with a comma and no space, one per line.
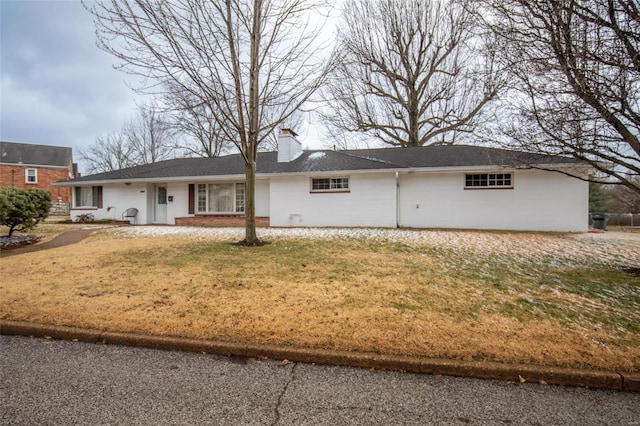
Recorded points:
475,369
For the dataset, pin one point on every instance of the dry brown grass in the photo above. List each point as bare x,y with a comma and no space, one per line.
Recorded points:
347,294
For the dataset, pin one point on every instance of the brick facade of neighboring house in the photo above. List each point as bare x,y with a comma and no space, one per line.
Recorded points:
29,166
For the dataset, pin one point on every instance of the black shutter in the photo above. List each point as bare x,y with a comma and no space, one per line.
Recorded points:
99,197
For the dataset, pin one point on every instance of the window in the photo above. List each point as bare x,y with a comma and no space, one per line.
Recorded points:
31,175
162,195
239,197
488,180
88,196
221,198
330,184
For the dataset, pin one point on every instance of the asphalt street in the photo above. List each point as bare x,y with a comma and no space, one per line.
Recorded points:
50,382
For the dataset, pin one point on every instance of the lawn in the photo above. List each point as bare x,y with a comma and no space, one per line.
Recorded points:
547,299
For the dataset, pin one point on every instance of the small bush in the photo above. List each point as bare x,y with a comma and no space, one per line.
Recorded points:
85,217
21,210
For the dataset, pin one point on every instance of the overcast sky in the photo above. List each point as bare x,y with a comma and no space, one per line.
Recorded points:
57,87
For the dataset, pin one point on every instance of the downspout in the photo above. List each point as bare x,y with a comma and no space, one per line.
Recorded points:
397,200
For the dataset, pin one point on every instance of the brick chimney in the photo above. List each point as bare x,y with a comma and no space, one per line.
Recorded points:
288,146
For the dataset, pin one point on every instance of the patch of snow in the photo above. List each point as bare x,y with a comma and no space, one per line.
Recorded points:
317,155
526,249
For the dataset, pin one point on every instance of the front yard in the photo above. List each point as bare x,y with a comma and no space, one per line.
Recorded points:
550,299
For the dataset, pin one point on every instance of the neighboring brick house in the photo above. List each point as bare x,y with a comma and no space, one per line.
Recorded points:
33,166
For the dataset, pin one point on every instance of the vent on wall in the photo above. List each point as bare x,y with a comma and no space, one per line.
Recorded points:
295,219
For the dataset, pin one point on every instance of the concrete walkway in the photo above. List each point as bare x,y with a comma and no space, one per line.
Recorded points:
60,240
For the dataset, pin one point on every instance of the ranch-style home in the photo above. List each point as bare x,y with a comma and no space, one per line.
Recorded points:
452,186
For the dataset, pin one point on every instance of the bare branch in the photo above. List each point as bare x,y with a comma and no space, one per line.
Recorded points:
576,85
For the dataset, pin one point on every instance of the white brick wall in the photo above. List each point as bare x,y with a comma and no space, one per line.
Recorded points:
370,202
539,200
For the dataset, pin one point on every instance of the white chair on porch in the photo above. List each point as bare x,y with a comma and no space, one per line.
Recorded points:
131,213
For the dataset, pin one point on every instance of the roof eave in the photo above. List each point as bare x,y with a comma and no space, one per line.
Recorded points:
332,172
76,182
402,170
52,166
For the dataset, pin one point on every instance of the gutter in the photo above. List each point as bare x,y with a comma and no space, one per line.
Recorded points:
235,177
50,166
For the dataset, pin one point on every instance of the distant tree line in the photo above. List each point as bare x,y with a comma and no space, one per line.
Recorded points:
613,199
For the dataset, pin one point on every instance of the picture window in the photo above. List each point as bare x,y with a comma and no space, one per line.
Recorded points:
221,198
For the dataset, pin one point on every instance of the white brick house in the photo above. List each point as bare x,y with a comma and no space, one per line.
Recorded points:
454,186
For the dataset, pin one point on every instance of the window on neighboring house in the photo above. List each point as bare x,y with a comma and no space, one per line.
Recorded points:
488,180
31,175
340,184
88,196
221,198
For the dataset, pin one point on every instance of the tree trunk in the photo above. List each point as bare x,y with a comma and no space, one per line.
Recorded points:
251,236
251,149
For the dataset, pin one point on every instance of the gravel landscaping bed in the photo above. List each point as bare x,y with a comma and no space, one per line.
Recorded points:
16,241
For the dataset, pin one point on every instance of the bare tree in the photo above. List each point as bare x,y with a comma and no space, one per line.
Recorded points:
622,199
108,153
149,136
576,80
196,120
337,139
412,72
243,57
146,138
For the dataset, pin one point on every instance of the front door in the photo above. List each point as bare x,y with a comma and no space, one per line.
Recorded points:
160,210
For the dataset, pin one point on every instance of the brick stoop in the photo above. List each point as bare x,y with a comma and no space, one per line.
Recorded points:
219,221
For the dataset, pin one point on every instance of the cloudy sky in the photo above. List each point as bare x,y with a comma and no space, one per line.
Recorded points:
57,87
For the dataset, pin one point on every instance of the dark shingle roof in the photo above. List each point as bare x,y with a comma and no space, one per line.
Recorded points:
457,156
35,155
327,161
